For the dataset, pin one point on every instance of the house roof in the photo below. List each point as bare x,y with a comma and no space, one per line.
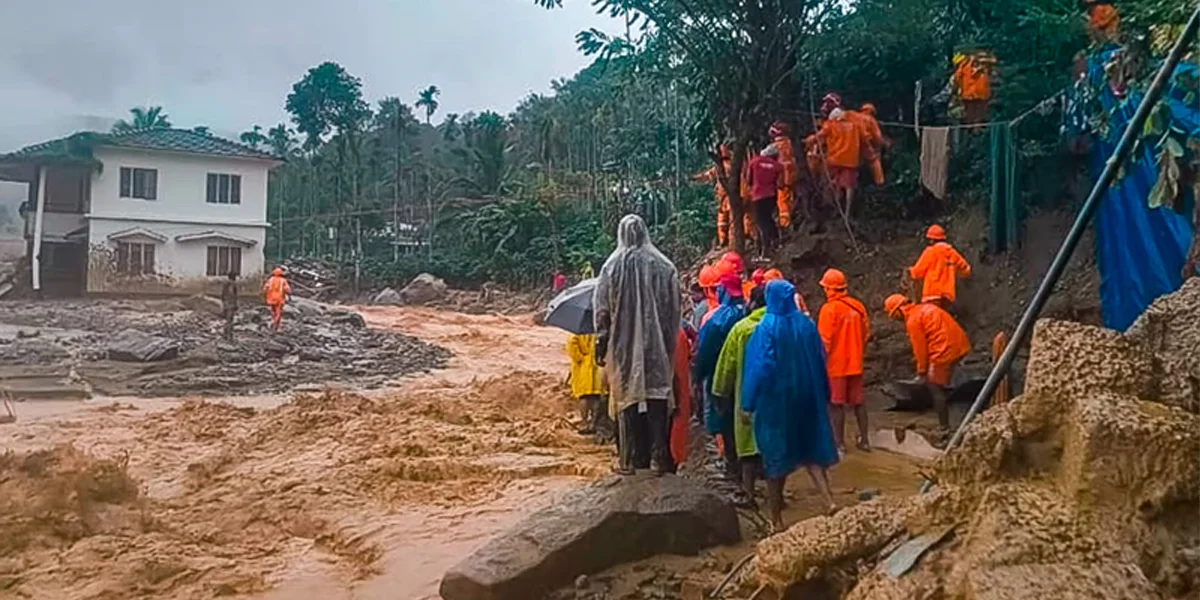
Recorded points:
213,234
79,146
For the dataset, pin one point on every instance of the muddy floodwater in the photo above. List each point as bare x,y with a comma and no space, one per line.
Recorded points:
327,494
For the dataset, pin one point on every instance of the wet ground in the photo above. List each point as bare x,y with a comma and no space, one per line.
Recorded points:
332,494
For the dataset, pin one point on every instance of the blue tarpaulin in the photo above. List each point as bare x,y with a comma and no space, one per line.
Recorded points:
1140,251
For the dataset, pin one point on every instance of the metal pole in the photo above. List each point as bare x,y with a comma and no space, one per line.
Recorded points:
1025,326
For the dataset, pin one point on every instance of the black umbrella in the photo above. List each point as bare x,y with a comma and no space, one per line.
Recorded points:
572,309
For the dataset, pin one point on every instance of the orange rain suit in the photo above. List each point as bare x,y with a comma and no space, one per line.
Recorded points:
724,212
874,142
939,265
276,291
844,327
938,342
787,182
844,140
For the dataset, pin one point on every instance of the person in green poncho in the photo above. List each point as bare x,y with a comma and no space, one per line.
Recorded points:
727,382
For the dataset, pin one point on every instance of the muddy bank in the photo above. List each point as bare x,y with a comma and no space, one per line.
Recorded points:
318,344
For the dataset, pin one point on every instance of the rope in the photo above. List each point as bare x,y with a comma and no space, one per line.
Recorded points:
895,124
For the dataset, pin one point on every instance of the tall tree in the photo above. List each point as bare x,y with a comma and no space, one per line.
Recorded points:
151,117
328,99
737,58
428,100
254,137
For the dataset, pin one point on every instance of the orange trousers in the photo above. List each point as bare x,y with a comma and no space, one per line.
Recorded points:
276,315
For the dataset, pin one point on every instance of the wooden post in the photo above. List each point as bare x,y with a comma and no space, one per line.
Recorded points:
999,343
39,218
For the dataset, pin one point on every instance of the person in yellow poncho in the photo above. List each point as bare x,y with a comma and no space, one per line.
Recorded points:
727,382
587,385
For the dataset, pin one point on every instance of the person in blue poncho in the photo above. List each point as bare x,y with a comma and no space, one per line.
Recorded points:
718,411
785,387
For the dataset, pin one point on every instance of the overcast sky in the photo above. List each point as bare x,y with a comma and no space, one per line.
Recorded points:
228,64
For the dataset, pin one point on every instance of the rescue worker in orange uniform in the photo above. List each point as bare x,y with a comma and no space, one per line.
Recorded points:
276,292
939,266
843,141
938,344
875,142
708,279
972,81
844,327
724,211
781,138
1104,22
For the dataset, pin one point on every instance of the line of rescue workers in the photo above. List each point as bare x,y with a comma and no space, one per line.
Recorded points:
747,360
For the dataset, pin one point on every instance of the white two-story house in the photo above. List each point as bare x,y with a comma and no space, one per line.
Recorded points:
153,211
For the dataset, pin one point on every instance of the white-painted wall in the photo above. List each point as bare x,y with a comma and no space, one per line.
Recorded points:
180,209
176,264
182,188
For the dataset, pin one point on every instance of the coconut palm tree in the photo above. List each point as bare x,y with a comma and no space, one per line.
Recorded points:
151,117
427,99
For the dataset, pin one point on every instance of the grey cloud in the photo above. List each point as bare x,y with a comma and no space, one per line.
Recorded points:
230,63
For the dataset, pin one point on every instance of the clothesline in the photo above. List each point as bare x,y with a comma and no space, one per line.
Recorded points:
1012,122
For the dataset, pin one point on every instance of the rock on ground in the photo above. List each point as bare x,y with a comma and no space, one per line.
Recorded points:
204,304
423,289
606,524
387,297
131,345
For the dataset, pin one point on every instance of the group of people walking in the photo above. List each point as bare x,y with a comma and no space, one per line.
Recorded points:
770,383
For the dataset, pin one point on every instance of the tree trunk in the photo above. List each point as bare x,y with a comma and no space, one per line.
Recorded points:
733,188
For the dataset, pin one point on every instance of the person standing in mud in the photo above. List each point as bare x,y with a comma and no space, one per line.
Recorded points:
229,303
785,390
276,293
637,315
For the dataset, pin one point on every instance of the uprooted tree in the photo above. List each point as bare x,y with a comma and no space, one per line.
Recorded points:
736,59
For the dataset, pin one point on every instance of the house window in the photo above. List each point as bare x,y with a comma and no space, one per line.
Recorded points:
135,259
224,189
222,260
139,183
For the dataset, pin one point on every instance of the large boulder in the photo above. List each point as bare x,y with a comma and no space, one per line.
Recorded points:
387,297
608,523
131,345
423,289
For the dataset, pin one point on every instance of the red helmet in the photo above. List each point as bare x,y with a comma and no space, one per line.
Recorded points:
935,232
709,277
734,262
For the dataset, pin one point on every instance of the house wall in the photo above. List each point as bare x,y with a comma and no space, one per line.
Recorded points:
180,209
179,266
182,185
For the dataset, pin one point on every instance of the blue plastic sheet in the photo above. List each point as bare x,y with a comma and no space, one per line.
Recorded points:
1140,251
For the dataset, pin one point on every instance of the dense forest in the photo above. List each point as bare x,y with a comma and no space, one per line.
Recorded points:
389,189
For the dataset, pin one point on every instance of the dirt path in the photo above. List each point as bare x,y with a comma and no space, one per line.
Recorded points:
332,496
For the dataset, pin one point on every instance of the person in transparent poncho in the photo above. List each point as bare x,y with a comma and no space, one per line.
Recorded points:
637,313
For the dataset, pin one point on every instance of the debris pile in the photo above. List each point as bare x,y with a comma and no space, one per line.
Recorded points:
1087,486
312,278
165,349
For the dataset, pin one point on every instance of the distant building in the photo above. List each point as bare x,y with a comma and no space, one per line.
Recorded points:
159,211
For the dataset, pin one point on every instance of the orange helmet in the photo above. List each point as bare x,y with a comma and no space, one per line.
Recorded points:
709,277
834,280
935,232
772,275
277,272
893,304
869,109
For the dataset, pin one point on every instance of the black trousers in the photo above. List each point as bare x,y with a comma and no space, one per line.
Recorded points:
643,437
764,216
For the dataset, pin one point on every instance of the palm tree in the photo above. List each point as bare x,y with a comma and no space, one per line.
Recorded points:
280,139
428,100
151,117
254,137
